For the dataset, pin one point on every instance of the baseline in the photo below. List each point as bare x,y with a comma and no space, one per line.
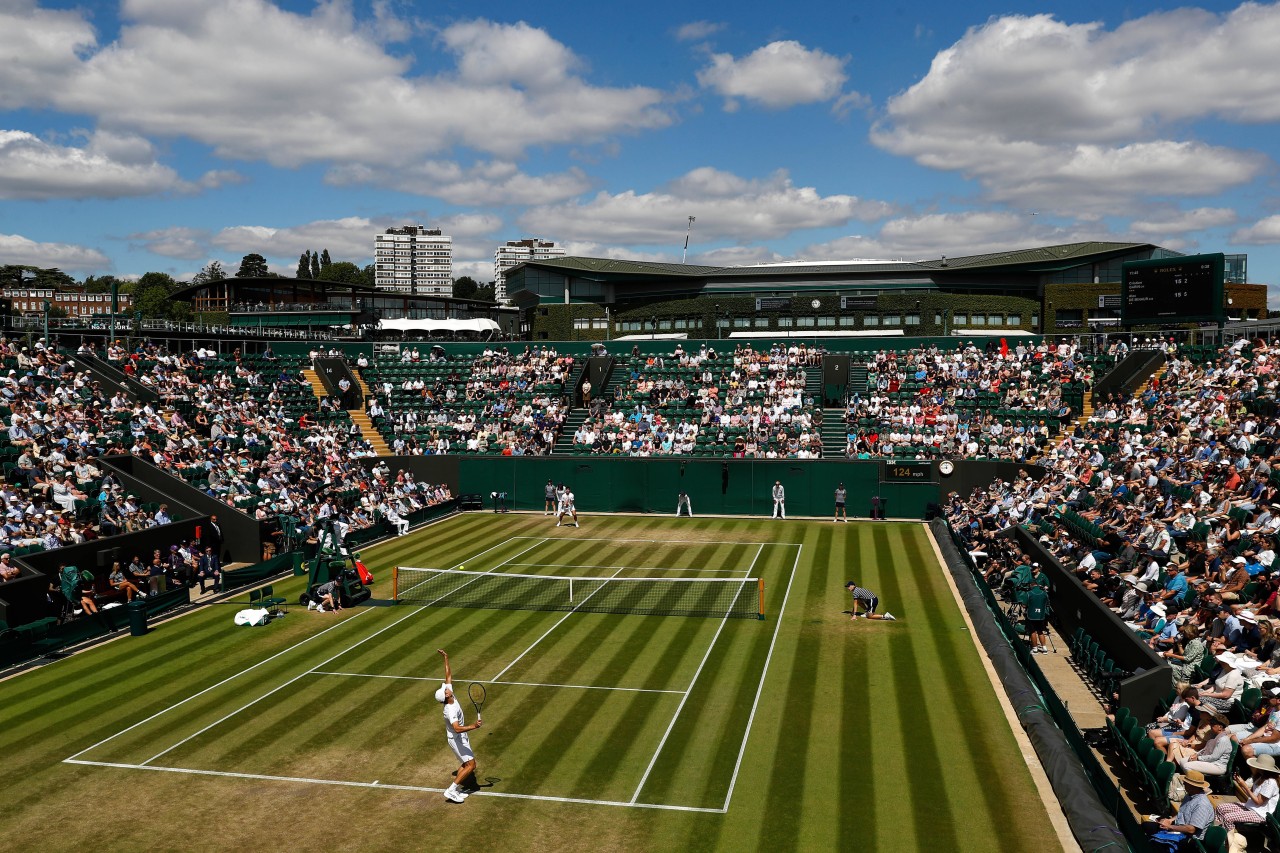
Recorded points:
390,787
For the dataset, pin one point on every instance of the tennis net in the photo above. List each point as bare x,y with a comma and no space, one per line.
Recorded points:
738,597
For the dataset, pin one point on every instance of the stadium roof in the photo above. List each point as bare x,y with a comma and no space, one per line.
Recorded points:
612,265
1042,257
1074,253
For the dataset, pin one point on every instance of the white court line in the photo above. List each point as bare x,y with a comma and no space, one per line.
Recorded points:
275,690
389,787
308,672
512,683
248,669
760,689
219,684
666,541
671,725
645,568
552,628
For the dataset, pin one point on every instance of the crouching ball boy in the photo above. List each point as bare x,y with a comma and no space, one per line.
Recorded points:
457,731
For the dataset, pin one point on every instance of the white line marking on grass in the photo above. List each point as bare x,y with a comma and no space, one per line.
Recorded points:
275,690
645,568
512,683
671,725
760,689
386,786
552,628
680,544
219,684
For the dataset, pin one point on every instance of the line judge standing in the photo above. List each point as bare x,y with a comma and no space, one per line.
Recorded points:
779,500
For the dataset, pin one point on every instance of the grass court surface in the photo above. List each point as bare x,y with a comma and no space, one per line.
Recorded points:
602,731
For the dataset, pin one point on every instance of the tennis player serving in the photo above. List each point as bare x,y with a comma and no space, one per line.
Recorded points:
456,731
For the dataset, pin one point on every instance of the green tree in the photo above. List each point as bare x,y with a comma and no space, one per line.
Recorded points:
486,293
325,260
101,283
344,272
253,266
315,265
152,294
369,275
211,271
465,287
304,265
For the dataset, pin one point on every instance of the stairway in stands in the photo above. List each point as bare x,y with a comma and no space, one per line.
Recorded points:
367,430
575,415
317,387
834,436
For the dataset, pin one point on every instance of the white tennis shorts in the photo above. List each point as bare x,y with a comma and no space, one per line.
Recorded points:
460,743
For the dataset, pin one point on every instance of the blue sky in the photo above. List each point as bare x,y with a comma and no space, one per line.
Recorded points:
161,134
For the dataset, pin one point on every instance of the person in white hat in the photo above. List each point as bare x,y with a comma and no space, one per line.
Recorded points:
1258,795
456,730
1226,688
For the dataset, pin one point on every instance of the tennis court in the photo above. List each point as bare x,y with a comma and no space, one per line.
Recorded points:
638,682
602,730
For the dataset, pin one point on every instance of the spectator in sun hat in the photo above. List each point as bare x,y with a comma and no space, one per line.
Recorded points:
1221,692
1194,816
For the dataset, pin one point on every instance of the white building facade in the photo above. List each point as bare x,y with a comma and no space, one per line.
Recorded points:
517,252
414,259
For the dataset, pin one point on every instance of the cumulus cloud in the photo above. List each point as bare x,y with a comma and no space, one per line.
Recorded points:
1182,221
109,165
932,235
780,74
16,249
1078,107
1264,231
727,206
259,82
698,30
176,242
488,183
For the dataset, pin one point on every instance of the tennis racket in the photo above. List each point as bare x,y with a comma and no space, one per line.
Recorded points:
477,693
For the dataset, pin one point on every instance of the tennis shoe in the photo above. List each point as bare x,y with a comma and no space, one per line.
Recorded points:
453,797
311,605
891,617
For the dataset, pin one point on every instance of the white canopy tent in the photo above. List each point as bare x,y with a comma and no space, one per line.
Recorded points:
478,324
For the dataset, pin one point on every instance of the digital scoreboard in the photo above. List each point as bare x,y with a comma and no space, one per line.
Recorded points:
1172,290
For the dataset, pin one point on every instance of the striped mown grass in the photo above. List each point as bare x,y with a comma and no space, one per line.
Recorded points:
864,735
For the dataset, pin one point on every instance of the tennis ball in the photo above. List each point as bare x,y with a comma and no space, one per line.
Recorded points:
461,568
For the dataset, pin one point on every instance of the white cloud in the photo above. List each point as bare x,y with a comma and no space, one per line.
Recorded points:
698,30
16,249
1034,108
932,235
488,183
258,82
347,239
726,206
1182,221
780,74
1264,231
176,242
38,49
109,165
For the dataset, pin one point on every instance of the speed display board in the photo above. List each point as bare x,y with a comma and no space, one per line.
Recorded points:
1172,290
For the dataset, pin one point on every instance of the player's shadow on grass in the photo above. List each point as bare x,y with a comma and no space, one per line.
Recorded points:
489,781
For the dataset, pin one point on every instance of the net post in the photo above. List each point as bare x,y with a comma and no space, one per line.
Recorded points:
760,581
395,584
